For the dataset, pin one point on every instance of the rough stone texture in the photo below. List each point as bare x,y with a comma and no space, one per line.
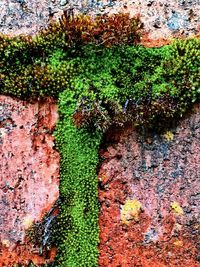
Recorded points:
162,19
149,195
29,176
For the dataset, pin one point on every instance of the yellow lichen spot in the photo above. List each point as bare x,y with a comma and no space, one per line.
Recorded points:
130,210
178,243
6,243
169,136
27,222
176,208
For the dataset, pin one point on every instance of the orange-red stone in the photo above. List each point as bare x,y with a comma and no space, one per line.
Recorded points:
29,174
160,172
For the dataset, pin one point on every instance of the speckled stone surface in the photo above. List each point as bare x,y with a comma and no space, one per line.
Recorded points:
29,174
149,195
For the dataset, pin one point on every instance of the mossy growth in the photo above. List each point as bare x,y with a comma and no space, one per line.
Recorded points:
100,77
133,83
77,233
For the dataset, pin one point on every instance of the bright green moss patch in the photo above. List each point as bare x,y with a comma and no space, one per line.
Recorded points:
78,232
136,84
100,77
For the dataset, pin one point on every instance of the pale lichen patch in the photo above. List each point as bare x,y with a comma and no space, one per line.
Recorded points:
176,208
169,136
130,210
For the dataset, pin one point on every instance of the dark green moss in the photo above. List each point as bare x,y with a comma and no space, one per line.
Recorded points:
98,83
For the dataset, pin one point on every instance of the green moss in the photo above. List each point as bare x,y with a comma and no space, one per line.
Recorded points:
78,237
137,84
98,83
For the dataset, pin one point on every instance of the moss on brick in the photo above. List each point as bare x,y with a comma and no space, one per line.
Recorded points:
99,80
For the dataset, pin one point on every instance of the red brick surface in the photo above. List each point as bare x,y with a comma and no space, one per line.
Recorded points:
162,173
29,174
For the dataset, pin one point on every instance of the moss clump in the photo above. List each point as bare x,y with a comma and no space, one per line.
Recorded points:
99,79
137,84
26,68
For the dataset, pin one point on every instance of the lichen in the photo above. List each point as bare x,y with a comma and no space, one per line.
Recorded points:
169,136
130,210
176,208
